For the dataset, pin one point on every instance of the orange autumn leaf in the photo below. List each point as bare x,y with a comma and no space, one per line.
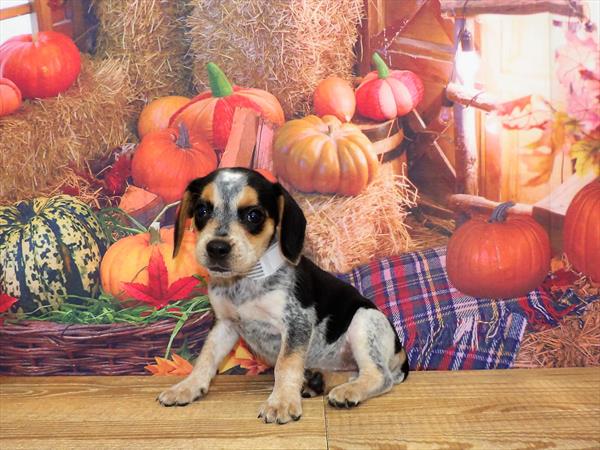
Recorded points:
176,366
243,357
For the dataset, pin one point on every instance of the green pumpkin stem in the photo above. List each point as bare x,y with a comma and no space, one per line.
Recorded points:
500,212
219,84
154,230
183,141
383,71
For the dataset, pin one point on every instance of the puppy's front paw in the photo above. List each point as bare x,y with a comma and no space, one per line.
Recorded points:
182,394
281,409
346,395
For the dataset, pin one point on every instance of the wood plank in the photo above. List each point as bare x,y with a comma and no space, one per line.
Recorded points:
528,408
508,409
462,8
471,97
121,412
15,11
242,139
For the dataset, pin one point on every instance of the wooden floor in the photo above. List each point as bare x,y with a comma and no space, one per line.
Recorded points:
516,409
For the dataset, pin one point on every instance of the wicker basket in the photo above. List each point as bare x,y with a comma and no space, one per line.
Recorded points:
48,348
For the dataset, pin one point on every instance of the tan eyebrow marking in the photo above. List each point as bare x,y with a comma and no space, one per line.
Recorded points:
248,197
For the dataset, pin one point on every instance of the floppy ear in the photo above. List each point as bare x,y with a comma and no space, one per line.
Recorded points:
185,212
292,227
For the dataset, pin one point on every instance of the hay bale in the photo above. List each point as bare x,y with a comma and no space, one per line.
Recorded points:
40,142
573,343
148,37
344,232
285,47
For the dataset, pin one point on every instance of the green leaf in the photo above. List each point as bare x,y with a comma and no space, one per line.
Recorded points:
587,156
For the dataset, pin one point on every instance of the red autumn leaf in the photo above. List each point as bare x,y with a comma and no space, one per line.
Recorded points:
115,180
157,292
578,72
182,288
560,280
525,113
6,301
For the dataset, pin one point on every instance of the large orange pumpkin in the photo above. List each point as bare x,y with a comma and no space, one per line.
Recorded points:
167,160
157,114
127,259
42,65
10,97
334,96
384,94
501,257
582,231
211,113
316,154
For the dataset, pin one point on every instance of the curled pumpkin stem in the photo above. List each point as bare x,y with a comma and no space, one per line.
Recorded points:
383,71
219,84
500,212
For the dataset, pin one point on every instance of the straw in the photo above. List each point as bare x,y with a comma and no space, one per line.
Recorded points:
285,47
344,232
46,137
148,37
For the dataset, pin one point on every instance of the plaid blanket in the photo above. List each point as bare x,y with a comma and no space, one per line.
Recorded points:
441,327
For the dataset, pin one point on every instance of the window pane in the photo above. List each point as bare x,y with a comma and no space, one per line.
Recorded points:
15,26
8,3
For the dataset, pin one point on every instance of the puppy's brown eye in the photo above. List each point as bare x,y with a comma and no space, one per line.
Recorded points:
203,211
255,216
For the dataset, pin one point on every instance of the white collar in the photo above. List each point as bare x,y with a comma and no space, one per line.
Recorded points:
269,263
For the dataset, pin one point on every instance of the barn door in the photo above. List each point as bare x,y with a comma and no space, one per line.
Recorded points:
411,34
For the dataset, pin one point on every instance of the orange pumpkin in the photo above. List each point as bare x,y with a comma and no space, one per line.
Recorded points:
157,114
335,97
167,160
501,257
324,155
127,259
211,113
582,231
42,64
10,97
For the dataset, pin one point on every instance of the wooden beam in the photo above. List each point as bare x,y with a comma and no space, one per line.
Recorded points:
438,153
473,204
15,11
43,13
466,8
470,97
242,139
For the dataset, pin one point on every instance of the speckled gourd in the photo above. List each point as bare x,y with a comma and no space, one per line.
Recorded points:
49,248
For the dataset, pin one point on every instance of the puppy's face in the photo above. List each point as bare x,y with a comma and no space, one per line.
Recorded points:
236,213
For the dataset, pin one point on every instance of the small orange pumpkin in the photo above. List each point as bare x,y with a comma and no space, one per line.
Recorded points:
167,160
127,259
211,113
582,231
316,154
334,96
501,257
10,97
157,114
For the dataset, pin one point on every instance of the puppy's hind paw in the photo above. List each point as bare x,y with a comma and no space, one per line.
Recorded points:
314,384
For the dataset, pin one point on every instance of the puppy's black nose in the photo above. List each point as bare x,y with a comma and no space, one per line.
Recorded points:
218,249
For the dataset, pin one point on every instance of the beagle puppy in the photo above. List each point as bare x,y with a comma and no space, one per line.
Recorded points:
295,316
